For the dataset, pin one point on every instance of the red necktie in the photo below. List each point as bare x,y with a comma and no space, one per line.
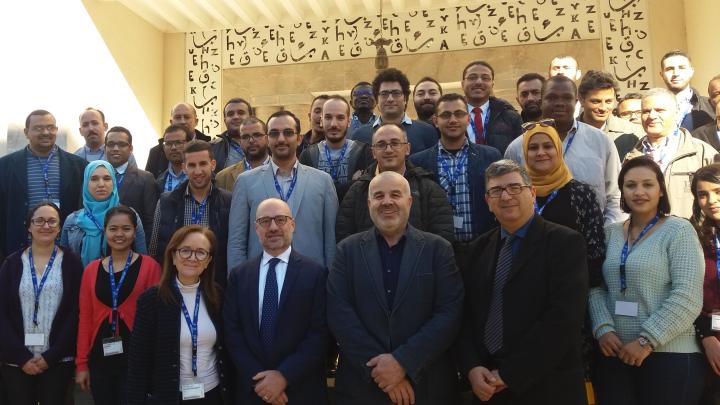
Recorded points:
479,137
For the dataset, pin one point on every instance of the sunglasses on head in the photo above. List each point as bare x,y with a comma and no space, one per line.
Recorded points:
548,122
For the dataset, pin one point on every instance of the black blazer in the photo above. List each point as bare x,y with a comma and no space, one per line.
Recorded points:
544,307
708,134
154,357
139,192
63,333
418,330
301,339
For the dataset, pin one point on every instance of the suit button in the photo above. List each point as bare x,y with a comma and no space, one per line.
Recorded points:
222,375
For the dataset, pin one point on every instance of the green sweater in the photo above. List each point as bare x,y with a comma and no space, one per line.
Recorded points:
664,276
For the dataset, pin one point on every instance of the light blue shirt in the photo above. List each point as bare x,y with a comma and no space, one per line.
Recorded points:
280,271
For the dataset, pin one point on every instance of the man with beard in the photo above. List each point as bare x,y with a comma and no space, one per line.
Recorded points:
529,97
694,110
598,95
182,114
309,193
565,65
343,159
363,104
227,146
391,89
195,202
316,133
493,121
92,128
174,141
137,188
253,140
590,155
426,94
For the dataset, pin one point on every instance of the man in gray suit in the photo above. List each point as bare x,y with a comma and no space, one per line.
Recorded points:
394,305
309,192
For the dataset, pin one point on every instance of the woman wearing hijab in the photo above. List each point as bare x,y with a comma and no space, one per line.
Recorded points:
83,230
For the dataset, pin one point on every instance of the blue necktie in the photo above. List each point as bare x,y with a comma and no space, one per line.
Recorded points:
494,323
270,306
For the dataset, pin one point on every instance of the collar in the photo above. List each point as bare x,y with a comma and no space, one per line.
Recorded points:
520,233
89,149
381,239
189,194
122,168
284,256
324,142
406,120
53,150
172,174
275,167
684,96
372,118
484,107
186,288
442,148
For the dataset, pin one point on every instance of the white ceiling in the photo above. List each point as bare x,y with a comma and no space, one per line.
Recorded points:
203,15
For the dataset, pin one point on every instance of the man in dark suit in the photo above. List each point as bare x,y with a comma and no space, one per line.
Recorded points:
275,317
136,187
526,292
710,132
458,166
394,306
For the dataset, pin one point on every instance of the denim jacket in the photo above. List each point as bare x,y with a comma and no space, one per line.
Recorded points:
72,235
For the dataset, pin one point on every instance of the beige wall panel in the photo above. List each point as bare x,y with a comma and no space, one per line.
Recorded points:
702,44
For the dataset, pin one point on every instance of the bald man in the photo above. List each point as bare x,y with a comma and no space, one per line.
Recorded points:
182,114
275,317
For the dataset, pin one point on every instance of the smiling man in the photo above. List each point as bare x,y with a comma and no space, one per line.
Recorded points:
677,153
195,202
693,110
227,147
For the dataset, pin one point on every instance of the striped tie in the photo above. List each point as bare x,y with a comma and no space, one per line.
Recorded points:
494,324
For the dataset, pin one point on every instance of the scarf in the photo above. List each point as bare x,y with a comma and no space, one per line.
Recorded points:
560,176
93,241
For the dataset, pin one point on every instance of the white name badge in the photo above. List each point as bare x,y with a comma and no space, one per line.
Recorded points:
34,339
112,346
626,308
715,322
458,221
193,391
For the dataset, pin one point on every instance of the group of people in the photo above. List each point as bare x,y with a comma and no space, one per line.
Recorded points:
564,253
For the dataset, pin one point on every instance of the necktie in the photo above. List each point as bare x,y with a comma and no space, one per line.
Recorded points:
494,324
479,130
270,306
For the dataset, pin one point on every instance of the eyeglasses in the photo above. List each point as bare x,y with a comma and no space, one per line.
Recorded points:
361,93
257,137
474,78
113,145
628,114
393,93
512,189
393,145
43,128
280,220
40,222
174,144
187,253
459,114
274,133
548,122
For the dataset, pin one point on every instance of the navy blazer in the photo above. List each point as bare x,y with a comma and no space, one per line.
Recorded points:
479,158
301,338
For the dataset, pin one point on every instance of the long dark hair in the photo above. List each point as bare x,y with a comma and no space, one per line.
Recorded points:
644,161
207,278
704,227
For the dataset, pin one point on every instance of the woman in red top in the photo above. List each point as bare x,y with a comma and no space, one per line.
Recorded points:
706,218
107,308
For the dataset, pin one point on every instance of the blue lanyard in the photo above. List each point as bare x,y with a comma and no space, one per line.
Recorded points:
569,143
335,166
626,251
453,177
37,289
539,210
169,180
247,165
237,148
486,121
46,176
115,289
198,214
717,257
285,198
192,326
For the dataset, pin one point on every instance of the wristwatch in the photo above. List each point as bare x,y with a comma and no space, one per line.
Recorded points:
645,343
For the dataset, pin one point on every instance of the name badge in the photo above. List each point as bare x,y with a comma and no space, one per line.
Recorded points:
112,346
458,221
34,339
626,308
715,322
193,391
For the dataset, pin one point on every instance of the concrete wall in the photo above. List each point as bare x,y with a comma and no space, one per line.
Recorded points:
703,46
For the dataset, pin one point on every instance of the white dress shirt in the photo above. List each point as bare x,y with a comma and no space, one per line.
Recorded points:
207,372
485,108
280,271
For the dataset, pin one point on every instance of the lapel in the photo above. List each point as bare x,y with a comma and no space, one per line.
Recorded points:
530,244
19,167
269,182
414,243
486,272
64,185
300,186
472,168
373,266
291,275
254,278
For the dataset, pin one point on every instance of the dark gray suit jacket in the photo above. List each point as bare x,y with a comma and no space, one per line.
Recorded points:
417,330
138,191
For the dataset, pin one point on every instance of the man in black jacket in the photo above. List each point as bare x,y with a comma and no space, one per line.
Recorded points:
710,132
226,146
493,121
430,212
196,201
182,114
